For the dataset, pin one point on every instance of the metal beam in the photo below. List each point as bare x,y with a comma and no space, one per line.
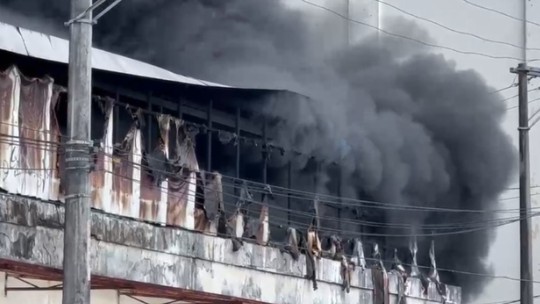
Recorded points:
209,137
237,123
189,108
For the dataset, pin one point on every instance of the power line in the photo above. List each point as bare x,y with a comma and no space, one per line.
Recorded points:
474,227
499,12
341,201
407,37
452,29
511,301
530,101
405,264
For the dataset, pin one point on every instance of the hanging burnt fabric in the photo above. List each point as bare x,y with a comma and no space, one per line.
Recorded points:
380,285
56,160
154,185
213,203
101,176
10,174
126,175
34,123
183,180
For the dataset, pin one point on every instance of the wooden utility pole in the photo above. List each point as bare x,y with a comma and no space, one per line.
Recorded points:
76,281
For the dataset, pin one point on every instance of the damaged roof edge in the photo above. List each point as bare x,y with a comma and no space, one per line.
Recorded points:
42,46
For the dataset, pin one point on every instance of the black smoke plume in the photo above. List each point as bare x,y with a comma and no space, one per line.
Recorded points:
405,124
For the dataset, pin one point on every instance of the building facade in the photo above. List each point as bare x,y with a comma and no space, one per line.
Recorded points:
176,160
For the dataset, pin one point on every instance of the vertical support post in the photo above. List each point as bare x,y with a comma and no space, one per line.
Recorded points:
179,108
289,186
339,193
116,119
526,285
237,123
265,153
149,123
76,264
209,137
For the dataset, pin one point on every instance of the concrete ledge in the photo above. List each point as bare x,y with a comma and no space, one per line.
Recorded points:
130,250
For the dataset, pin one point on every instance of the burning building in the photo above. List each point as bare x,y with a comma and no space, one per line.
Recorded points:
388,138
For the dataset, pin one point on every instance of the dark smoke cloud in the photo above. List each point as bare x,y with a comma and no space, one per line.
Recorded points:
407,126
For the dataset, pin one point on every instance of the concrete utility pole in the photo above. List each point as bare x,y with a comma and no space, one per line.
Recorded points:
76,282
526,285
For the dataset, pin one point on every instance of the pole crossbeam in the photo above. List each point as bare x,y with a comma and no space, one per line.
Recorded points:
84,16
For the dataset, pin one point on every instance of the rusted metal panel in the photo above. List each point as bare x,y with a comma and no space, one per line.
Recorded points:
56,154
101,176
126,175
207,221
154,191
183,182
9,129
34,124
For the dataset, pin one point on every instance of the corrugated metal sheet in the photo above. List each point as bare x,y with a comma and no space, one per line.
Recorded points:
183,184
10,91
38,45
56,159
154,194
127,175
102,176
27,146
34,125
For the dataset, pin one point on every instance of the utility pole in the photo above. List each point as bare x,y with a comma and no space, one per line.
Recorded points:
76,279
526,286
525,255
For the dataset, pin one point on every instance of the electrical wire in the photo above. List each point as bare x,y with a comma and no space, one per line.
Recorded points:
341,202
452,29
407,37
476,227
499,12
530,101
390,261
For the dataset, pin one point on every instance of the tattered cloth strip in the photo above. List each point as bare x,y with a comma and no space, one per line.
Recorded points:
380,285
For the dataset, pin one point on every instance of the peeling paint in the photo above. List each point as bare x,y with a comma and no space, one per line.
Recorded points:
136,251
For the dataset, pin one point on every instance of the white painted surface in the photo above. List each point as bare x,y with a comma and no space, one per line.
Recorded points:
27,42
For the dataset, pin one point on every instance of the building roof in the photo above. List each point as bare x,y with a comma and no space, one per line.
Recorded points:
38,45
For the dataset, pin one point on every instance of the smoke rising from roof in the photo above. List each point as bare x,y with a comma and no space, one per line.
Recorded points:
406,125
